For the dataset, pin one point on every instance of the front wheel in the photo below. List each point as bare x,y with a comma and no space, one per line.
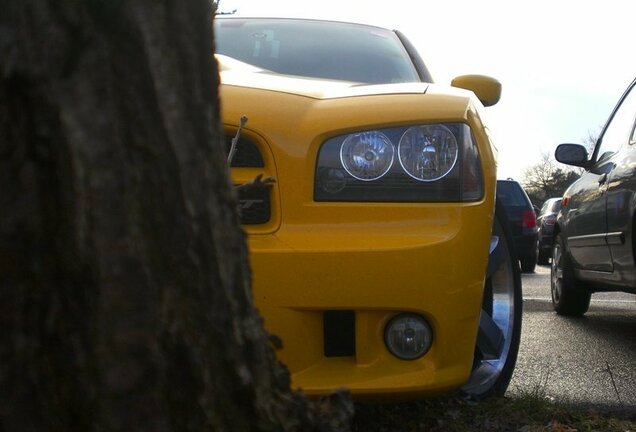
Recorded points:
500,321
567,298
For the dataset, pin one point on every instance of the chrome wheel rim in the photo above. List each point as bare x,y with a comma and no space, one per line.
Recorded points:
556,273
499,321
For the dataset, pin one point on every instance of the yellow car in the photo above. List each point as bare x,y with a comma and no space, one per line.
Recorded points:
368,196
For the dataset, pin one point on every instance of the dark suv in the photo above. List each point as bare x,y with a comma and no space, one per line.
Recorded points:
522,219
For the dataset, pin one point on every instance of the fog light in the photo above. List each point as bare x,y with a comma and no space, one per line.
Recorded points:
408,336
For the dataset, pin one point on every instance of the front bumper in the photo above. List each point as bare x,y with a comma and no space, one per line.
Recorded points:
361,262
426,259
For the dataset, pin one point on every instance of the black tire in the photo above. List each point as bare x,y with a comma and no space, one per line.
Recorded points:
528,264
569,297
543,257
495,359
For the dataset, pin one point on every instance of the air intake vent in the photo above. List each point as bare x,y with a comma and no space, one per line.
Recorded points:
247,154
339,333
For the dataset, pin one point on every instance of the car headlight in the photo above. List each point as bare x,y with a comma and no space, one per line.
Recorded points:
428,153
415,163
367,156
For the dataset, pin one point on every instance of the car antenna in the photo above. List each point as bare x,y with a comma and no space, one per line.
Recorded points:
235,140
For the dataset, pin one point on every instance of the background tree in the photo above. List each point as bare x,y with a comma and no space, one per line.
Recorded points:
589,141
125,297
216,8
547,180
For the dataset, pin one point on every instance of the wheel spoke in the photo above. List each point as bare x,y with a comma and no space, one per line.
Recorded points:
490,338
497,256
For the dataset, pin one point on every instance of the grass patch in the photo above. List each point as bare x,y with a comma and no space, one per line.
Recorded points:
527,413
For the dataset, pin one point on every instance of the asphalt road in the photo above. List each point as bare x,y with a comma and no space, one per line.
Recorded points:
589,360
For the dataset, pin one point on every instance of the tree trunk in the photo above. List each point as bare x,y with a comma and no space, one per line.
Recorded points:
125,298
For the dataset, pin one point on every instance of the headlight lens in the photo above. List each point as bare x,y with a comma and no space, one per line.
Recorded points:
428,153
367,156
413,163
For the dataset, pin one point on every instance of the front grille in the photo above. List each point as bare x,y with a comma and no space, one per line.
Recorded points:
254,199
254,205
339,333
247,154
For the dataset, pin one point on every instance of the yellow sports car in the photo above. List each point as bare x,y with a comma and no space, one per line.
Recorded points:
368,196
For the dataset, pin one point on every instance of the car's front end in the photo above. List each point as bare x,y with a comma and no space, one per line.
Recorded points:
369,248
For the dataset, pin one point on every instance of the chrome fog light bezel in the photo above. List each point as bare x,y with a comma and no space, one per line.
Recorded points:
409,321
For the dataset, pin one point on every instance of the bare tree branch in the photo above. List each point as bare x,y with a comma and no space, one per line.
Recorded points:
546,179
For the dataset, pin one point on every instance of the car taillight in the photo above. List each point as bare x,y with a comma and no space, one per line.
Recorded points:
529,219
550,219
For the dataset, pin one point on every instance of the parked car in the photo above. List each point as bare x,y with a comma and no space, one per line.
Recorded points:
368,196
546,220
594,236
523,221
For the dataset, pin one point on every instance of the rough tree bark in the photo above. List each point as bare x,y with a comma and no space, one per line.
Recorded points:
124,289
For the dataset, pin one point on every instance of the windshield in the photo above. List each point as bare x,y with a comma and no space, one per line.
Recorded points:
319,49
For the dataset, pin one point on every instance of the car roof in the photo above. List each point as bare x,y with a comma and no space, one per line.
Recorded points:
282,19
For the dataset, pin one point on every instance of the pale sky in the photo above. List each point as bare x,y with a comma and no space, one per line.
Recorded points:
563,64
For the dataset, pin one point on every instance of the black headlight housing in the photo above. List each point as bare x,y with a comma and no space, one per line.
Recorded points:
413,163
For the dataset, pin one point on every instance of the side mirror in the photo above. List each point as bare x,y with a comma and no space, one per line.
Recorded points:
487,89
571,154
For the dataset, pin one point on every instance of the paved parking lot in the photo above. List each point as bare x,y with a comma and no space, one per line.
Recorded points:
589,360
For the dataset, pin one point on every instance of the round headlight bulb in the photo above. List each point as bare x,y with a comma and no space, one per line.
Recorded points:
367,156
428,152
408,336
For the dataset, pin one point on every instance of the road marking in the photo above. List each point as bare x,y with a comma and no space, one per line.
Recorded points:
593,300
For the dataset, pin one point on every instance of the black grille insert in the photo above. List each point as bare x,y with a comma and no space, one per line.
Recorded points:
247,154
339,333
254,205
